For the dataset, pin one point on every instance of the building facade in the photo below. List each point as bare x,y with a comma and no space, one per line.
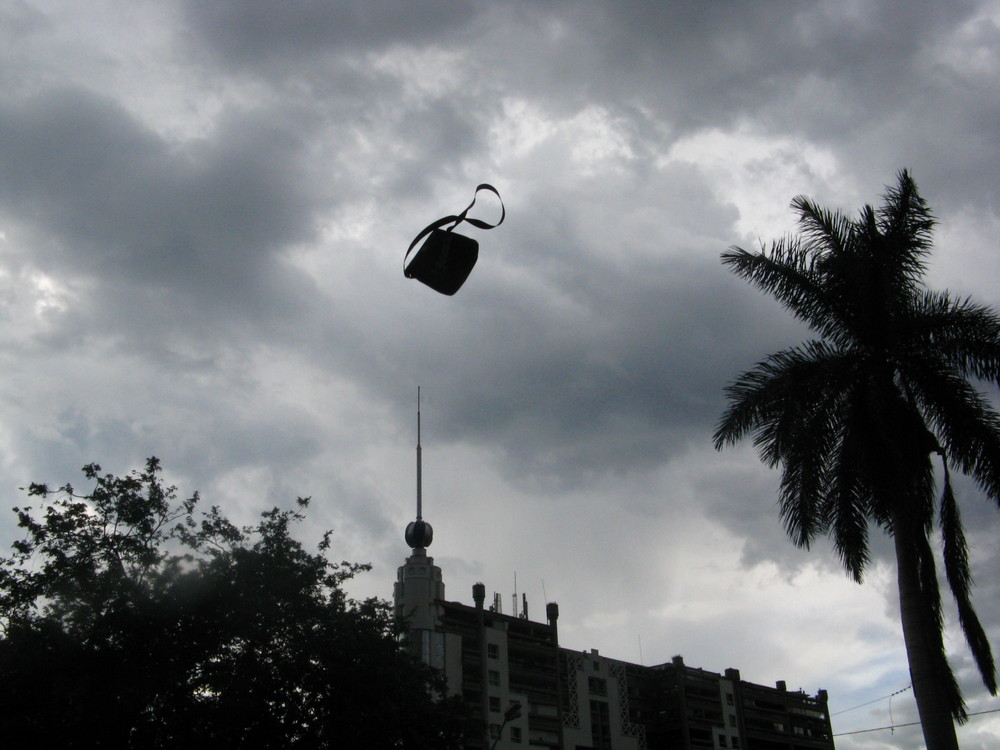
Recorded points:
525,691
573,700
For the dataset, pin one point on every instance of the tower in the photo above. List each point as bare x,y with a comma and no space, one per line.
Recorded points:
418,581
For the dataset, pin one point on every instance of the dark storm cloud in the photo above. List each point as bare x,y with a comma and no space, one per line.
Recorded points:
573,354
593,367
166,233
176,255
729,60
206,443
439,134
886,83
705,62
827,71
835,74
262,33
616,381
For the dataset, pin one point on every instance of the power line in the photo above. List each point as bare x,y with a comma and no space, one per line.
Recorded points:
908,724
844,711
877,729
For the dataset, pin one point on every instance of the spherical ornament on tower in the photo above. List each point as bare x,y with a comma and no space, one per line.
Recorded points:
419,534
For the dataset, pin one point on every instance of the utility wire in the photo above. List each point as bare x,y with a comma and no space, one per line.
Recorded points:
844,711
909,724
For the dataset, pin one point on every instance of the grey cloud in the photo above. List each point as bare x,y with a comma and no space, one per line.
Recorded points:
606,359
165,232
619,382
819,71
861,79
745,57
260,33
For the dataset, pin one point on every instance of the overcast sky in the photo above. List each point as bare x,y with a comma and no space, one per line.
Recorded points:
204,208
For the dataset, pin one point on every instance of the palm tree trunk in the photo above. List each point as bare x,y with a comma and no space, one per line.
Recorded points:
929,689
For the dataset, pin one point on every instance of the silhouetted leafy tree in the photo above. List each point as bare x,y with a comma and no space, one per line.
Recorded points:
857,417
127,621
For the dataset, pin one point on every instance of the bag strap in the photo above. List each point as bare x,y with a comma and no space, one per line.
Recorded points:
458,219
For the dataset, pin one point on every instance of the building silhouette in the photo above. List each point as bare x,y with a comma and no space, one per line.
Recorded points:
526,691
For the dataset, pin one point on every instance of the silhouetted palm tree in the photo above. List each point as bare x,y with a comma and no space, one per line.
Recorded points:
856,417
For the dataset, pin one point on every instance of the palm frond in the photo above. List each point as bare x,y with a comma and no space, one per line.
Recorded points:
934,630
826,232
793,402
905,215
847,505
799,498
961,332
956,566
902,243
762,395
814,433
965,424
787,272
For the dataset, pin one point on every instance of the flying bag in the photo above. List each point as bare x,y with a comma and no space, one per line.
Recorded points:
446,258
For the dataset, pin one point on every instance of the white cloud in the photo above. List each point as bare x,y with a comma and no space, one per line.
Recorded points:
756,171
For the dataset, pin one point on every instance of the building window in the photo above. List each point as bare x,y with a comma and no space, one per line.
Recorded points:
598,685
729,699
494,676
494,731
431,646
722,741
495,703
492,650
544,737
600,725
732,720
543,709
736,743
515,734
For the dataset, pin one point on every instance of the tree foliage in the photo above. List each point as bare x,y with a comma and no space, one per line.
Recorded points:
131,619
859,418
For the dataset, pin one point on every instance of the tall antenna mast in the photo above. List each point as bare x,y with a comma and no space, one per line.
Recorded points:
420,502
419,533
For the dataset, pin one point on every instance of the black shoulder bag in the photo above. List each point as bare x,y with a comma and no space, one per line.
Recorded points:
446,258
